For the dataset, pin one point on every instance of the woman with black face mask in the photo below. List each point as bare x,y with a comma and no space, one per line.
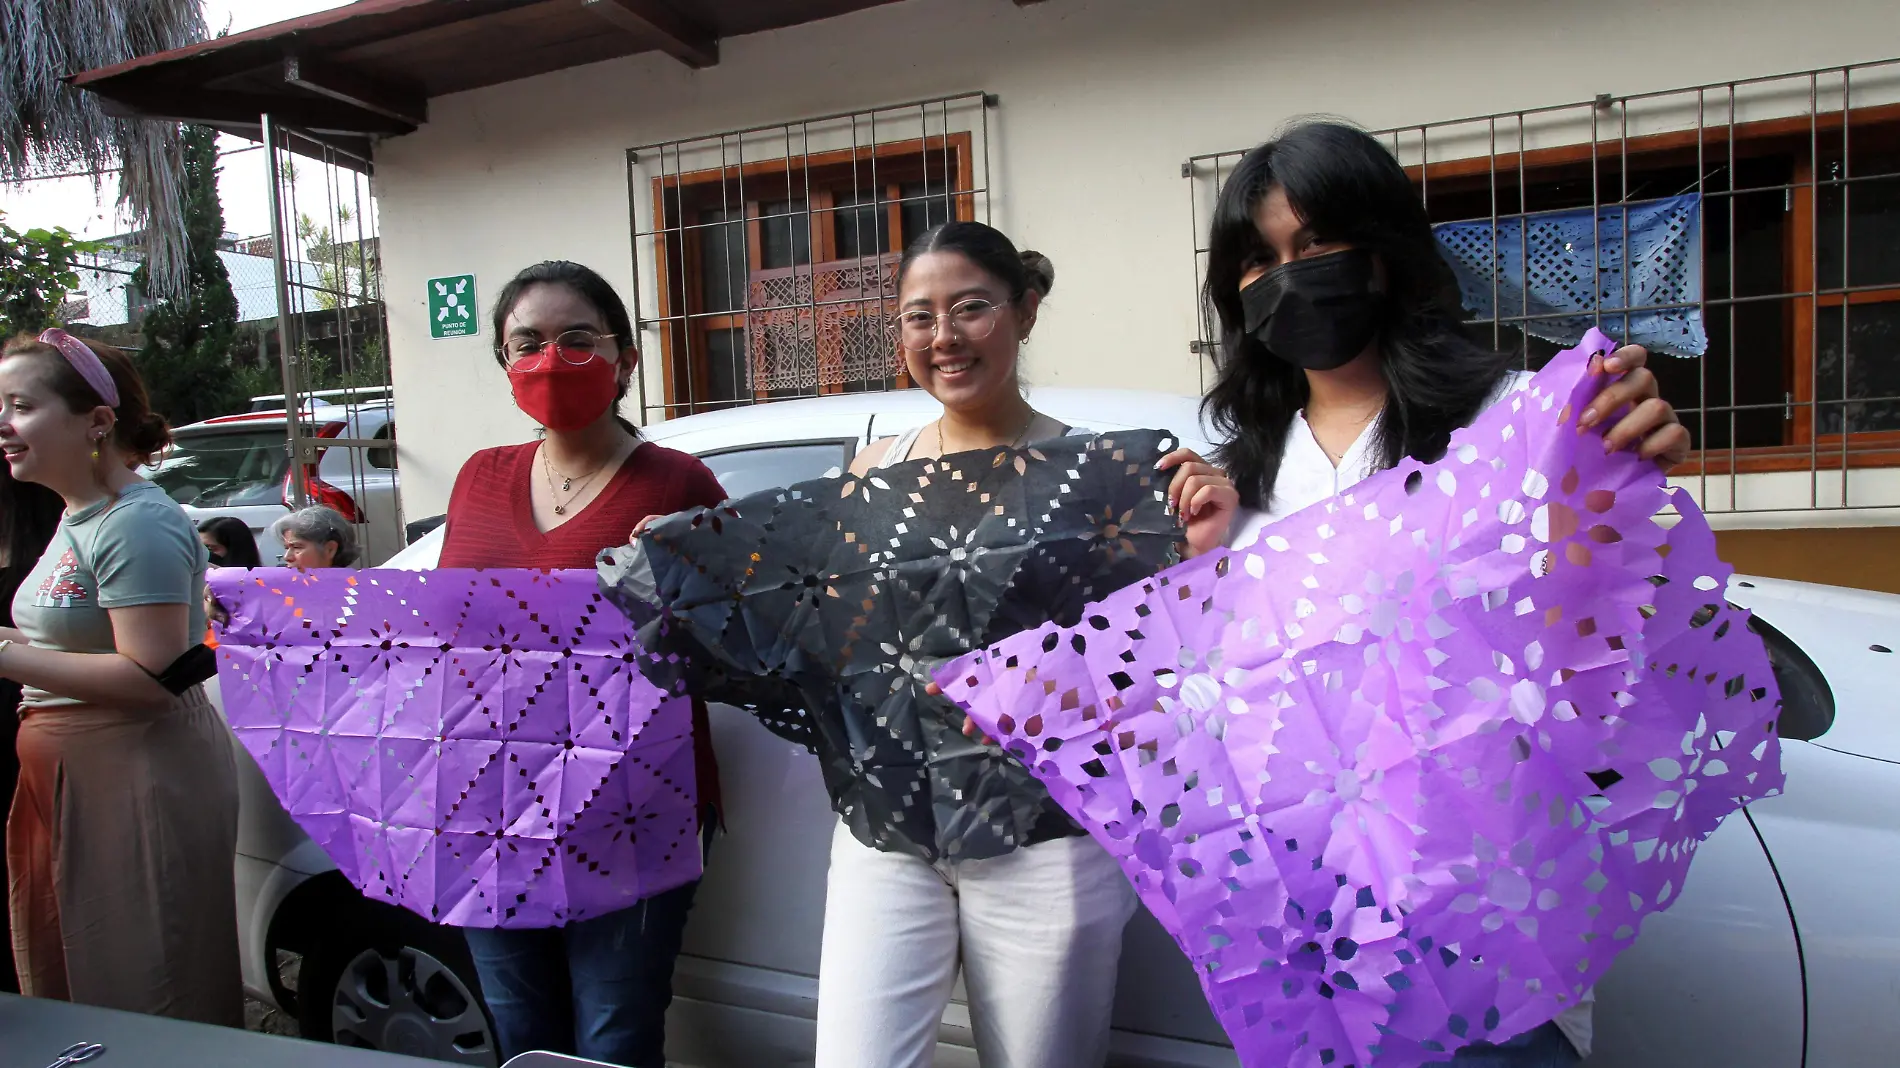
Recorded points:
1341,354
229,543
1340,343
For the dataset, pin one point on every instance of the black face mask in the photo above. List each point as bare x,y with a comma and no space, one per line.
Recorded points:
216,559
1318,313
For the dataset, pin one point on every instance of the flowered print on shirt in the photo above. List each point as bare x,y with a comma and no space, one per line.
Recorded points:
62,588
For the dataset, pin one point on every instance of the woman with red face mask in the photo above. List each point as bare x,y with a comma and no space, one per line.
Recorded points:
598,988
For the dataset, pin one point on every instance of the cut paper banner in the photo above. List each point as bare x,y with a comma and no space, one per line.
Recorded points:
1556,274
840,595
1410,771
475,746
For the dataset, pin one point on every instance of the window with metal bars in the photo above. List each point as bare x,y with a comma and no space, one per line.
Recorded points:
1775,322
767,257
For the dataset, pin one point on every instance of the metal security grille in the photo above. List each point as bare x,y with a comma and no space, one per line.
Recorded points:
1747,232
765,259
333,336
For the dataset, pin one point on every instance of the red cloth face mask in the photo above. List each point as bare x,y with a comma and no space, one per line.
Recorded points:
564,389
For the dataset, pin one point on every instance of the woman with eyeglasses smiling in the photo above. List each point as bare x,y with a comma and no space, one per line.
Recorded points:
1033,920
599,988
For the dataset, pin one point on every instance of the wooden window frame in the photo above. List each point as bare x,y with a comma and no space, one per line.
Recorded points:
1800,137
684,348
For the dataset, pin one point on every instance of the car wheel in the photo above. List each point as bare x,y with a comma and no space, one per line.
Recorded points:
401,987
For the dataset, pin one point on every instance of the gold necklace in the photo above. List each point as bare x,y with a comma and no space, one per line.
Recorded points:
1359,422
567,481
1013,442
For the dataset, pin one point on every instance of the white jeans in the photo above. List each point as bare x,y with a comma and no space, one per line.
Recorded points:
1037,931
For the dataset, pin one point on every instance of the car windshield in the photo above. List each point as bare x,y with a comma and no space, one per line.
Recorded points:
222,469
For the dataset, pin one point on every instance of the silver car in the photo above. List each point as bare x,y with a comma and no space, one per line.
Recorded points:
237,465
1780,952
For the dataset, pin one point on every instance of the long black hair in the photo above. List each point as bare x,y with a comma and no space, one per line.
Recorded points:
240,547
1345,187
593,289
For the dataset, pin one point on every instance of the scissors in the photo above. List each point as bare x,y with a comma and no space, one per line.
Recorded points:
76,1053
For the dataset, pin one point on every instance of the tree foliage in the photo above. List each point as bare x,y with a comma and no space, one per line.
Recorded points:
346,270
48,126
323,251
186,359
36,273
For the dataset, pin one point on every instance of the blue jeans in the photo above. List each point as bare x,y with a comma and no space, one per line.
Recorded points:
596,989
1543,1047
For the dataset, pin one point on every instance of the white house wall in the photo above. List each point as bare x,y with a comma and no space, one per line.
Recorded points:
1100,102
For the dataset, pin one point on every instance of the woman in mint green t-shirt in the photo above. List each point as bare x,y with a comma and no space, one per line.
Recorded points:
122,829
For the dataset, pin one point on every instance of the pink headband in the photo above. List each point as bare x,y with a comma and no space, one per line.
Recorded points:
86,362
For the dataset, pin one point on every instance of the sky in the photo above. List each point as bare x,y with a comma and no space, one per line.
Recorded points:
76,205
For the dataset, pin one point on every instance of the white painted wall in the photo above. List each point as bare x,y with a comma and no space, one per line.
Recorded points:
1101,101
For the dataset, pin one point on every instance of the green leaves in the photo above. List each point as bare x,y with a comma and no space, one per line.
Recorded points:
48,125
37,271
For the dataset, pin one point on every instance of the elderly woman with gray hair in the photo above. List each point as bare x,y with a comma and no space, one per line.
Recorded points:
316,537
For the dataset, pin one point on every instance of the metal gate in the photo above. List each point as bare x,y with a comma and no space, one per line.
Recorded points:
333,336
1786,189
765,259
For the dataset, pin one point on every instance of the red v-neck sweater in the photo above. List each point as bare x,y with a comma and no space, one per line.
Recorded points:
491,524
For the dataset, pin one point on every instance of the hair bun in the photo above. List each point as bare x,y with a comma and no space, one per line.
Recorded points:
1041,272
144,436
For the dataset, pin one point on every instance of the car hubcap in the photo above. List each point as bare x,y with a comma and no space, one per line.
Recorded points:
412,1004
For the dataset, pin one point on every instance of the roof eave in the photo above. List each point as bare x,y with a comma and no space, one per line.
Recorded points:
259,47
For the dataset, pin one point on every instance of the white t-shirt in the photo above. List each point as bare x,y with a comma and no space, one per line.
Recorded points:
1307,477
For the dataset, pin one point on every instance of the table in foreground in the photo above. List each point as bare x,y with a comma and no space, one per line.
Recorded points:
33,1032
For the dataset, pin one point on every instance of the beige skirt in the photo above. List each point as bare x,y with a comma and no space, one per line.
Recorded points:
119,853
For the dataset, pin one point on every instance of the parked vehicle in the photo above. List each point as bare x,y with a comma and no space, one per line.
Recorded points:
238,465
274,402
1779,946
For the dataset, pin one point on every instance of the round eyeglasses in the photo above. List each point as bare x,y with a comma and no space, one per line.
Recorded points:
974,319
523,346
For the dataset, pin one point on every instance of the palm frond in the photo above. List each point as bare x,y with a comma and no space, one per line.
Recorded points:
46,125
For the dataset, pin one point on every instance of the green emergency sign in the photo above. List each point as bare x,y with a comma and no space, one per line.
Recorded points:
452,306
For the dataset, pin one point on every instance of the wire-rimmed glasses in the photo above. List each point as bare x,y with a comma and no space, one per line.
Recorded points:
974,319
525,346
